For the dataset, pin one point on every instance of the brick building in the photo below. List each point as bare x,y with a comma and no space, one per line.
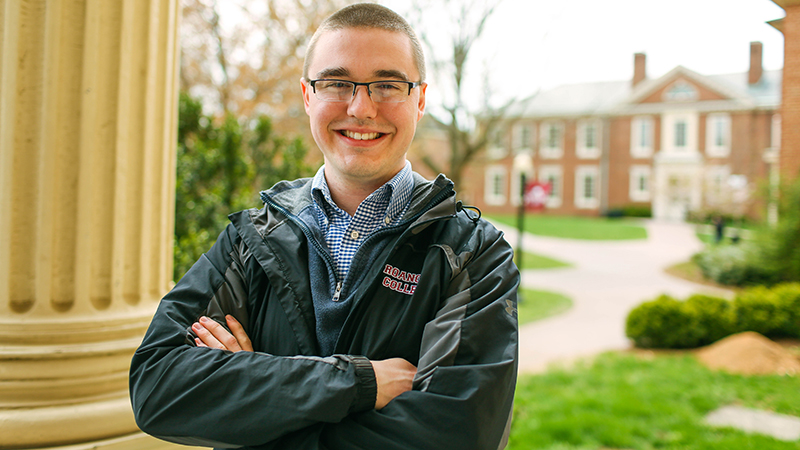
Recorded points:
684,142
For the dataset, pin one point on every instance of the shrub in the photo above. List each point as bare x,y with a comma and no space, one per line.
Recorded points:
756,309
715,317
787,297
734,265
663,323
669,323
637,211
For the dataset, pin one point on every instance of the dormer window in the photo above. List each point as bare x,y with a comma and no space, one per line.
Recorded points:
681,91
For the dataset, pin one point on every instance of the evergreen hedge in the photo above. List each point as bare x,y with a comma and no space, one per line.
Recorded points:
666,322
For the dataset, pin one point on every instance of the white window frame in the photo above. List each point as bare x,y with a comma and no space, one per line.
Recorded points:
520,143
490,196
713,124
681,91
546,151
669,124
516,177
775,132
555,171
582,150
637,149
581,174
636,193
496,148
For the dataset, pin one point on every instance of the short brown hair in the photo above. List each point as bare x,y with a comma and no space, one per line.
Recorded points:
367,15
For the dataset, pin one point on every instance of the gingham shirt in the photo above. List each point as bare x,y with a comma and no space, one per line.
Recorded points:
345,233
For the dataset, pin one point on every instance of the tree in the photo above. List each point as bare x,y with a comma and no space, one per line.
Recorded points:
221,167
468,129
246,56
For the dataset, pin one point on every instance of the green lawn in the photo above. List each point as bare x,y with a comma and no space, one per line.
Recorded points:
536,305
535,261
590,228
623,401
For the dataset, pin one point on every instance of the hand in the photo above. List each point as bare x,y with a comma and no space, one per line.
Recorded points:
213,335
393,376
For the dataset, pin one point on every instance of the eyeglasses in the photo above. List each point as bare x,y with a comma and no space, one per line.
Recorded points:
385,91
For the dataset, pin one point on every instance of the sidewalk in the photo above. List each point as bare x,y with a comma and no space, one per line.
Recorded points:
607,280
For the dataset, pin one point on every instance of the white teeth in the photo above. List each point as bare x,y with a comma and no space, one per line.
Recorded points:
360,136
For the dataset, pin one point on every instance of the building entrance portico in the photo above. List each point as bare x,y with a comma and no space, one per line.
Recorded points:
678,190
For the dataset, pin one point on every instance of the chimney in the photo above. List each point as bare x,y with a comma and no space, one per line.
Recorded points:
639,71
756,69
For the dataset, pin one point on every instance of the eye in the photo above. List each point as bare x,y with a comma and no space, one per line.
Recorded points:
333,84
388,86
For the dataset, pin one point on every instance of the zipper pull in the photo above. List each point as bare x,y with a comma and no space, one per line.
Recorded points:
338,291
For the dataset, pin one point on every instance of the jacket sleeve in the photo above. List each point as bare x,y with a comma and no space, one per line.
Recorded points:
200,396
464,389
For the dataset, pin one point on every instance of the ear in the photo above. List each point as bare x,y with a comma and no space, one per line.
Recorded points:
307,91
421,106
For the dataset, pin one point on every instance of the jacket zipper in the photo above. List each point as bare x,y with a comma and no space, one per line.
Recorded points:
304,228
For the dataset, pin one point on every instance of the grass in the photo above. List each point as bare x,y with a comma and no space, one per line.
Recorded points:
625,401
536,261
537,305
588,228
690,271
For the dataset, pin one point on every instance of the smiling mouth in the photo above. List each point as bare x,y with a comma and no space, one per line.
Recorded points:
361,136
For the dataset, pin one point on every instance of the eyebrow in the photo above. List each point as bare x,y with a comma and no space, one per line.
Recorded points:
343,72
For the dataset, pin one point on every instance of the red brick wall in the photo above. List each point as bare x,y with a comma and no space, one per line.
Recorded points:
790,108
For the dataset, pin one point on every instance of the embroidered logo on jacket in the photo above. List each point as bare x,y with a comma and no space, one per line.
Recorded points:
400,280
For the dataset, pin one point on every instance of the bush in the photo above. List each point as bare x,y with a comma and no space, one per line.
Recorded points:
788,298
715,317
734,265
637,211
663,323
701,320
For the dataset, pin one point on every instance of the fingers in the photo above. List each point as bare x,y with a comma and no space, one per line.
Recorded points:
238,332
393,377
214,335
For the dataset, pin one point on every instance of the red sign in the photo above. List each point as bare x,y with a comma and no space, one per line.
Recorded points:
536,195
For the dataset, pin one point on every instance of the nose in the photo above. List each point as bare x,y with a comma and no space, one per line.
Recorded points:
361,105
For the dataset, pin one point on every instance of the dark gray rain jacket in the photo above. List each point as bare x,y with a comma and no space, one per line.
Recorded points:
441,293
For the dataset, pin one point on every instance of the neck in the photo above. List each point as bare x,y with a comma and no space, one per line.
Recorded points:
348,194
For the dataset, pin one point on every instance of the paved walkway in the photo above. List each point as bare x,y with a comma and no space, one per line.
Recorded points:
607,279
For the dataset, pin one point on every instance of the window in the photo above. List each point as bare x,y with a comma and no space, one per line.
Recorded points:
496,148
642,137
680,134
522,137
552,140
587,187
640,183
718,135
589,139
516,183
679,138
680,91
552,174
495,187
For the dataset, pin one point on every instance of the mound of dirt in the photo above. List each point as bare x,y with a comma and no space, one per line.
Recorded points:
749,353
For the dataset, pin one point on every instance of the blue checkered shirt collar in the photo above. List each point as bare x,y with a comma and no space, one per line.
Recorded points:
344,233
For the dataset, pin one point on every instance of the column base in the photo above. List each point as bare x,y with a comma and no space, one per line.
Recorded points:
135,441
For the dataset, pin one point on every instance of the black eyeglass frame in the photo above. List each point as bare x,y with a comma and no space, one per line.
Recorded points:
356,84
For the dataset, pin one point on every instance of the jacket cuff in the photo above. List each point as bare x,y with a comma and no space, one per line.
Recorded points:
367,388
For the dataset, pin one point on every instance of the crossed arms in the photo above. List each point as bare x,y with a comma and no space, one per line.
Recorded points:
393,376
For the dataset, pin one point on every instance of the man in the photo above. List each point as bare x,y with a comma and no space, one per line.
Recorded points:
362,308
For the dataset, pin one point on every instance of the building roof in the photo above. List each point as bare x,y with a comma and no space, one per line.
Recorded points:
611,97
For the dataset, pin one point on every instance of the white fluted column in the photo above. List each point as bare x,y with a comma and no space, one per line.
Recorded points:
88,111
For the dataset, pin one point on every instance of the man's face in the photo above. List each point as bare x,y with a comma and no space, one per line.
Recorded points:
386,129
